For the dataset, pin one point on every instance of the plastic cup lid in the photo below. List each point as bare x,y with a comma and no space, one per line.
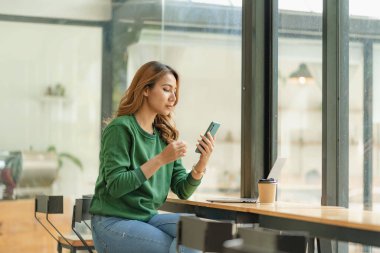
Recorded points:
268,180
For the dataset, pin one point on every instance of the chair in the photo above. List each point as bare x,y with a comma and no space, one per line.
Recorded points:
203,234
81,214
267,240
54,205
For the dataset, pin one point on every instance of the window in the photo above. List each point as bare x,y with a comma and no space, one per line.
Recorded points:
203,44
50,96
300,100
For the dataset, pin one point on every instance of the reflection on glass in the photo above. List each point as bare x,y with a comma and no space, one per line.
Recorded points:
302,75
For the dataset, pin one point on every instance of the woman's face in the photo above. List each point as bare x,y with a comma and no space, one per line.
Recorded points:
161,98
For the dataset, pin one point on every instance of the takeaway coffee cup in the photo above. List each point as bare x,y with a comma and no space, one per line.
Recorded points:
267,190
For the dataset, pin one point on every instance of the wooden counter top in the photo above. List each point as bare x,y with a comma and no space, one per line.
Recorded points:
329,215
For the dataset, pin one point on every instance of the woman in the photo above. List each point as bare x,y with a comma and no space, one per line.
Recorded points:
140,159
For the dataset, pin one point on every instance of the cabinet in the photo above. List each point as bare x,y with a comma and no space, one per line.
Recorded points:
21,233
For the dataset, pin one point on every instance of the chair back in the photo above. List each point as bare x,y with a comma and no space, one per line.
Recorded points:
274,240
82,210
203,234
81,213
48,204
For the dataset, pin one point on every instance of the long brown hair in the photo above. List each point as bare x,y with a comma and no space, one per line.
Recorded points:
147,76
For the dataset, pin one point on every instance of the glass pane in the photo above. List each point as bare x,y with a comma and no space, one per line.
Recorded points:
210,62
300,103
364,106
363,9
364,109
204,45
50,79
376,127
301,5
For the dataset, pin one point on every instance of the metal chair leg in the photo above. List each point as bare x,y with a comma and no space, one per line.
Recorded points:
59,248
311,245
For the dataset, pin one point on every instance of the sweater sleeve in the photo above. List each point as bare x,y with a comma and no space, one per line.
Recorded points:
182,183
121,178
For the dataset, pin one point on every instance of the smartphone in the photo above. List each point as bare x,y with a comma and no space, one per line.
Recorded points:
212,128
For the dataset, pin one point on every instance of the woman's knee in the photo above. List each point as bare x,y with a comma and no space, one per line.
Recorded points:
167,222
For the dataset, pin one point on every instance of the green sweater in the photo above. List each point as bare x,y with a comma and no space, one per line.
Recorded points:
121,189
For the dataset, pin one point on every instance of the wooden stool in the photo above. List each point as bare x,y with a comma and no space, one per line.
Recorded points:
73,243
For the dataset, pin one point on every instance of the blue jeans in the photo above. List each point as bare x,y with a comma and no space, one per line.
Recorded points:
119,235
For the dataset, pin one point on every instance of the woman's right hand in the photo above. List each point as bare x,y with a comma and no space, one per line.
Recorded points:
173,151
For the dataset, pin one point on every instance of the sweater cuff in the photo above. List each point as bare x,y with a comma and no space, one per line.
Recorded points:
140,175
192,181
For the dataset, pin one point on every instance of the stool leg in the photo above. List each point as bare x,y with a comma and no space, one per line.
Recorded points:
318,245
59,248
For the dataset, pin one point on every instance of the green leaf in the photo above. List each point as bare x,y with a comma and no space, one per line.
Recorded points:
60,163
51,149
67,156
72,158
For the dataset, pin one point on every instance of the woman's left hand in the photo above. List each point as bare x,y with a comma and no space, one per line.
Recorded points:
205,146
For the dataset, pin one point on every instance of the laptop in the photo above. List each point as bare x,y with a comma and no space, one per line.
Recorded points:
274,173
233,200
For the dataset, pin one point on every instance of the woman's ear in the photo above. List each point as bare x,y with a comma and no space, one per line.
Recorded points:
146,92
